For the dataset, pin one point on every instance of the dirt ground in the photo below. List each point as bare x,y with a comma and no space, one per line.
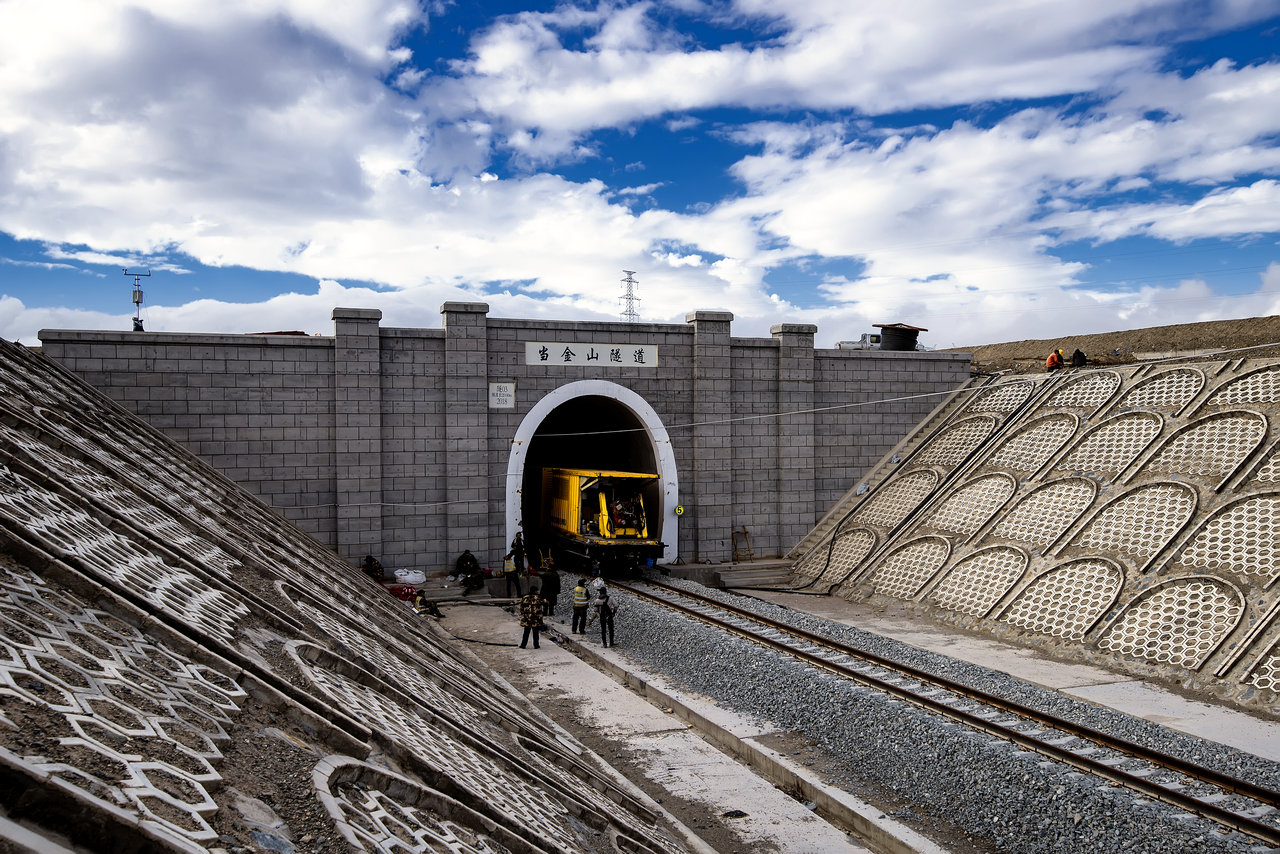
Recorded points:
1120,347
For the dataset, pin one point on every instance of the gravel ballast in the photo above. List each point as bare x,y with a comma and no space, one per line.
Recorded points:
932,773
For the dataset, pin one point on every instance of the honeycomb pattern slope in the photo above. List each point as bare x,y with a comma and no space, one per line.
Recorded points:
1169,390
976,583
1041,516
971,506
1140,501
153,625
1066,601
1178,623
1212,448
1139,523
1111,447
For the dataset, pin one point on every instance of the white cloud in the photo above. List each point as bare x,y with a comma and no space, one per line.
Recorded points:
1232,212
263,135
143,129
872,58
20,323
41,265
137,263
640,190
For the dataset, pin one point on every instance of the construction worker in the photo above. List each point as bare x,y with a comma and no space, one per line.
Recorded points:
1054,362
580,601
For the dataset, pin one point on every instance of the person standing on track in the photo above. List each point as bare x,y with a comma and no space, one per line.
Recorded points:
516,571
605,608
580,601
550,585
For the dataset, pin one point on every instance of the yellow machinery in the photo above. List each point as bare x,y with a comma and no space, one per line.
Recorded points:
600,515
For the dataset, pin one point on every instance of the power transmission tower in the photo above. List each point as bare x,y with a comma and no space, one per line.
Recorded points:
629,298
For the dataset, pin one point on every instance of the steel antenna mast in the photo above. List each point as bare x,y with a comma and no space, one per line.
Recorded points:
137,297
629,298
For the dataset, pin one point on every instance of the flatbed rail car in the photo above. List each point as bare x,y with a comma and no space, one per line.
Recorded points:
601,515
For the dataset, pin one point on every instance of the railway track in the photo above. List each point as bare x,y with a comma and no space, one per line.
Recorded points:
1232,803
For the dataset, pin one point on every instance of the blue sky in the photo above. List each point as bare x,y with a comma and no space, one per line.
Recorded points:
991,171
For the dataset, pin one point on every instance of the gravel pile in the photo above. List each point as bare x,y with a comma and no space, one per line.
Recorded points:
982,792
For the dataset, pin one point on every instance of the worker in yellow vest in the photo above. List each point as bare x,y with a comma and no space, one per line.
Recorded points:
580,600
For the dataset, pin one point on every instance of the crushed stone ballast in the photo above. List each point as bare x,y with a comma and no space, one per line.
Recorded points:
1244,799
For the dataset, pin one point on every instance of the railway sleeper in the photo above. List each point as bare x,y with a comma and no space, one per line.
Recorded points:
1259,811
1114,761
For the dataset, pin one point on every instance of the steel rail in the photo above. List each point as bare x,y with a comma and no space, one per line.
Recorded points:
1221,815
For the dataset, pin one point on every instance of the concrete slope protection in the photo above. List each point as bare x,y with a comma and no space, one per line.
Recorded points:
181,669
1126,516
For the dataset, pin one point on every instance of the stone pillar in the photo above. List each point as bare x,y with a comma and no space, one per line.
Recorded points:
466,427
357,410
796,441
712,491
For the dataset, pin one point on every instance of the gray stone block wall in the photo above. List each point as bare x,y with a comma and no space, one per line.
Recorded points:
712,490
258,407
796,433
754,440
466,429
872,399
358,430
382,440
414,483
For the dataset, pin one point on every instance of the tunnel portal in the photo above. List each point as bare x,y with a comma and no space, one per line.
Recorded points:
588,432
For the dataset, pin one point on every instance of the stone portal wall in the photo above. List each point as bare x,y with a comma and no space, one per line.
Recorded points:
386,440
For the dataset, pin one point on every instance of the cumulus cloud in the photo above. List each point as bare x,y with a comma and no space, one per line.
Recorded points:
301,136
865,57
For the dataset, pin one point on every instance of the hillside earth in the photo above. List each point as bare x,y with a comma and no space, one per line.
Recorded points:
1134,345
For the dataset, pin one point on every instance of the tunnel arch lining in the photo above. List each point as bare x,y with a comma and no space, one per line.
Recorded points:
644,413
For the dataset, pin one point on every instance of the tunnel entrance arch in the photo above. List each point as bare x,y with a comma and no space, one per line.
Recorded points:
622,432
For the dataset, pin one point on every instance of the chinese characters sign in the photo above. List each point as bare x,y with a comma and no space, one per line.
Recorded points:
502,395
603,355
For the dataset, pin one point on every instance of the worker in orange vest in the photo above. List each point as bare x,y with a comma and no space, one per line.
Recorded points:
1054,362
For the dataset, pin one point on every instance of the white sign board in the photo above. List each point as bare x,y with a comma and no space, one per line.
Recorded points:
502,395
611,355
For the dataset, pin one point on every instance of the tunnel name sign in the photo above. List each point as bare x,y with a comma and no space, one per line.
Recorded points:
602,355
